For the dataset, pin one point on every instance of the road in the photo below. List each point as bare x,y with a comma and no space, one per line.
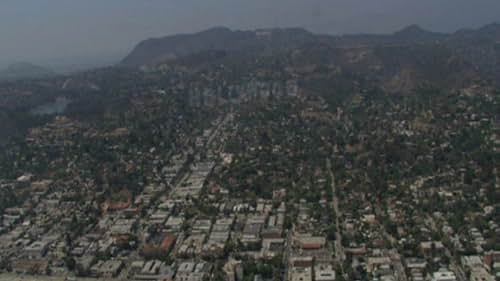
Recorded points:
218,128
286,253
459,272
457,269
339,249
399,269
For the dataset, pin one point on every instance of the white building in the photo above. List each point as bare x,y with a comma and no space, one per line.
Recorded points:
444,275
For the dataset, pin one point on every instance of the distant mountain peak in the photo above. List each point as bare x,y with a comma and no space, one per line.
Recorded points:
416,32
490,29
489,32
216,29
413,29
491,26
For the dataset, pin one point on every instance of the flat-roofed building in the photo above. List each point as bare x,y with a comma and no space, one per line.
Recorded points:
36,250
301,274
324,273
444,275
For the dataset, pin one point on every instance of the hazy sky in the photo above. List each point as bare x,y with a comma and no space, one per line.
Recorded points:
77,30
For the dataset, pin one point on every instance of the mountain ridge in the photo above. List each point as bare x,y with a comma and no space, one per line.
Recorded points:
156,50
152,50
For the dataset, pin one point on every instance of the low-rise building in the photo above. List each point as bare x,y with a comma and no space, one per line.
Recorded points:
444,275
324,273
107,269
36,250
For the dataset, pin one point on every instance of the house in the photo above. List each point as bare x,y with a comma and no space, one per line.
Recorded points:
159,217
174,224
154,270
231,269
272,247
168,243
191,271
480,273
251,233
36,250
123,227
431,247
491,258
84,263
104,246
369,218
477,268
417,274
417,263
107,269
192,246
444,275
472,261
311,242
271,232
301,274
324,273
302,261
375,263
216,243
30,266
201,226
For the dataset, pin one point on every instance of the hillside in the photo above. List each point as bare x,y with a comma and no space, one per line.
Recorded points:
431,56
228,62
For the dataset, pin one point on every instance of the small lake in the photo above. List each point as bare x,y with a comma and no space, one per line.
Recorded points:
56,107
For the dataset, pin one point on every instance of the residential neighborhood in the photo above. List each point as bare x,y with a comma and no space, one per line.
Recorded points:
310,162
